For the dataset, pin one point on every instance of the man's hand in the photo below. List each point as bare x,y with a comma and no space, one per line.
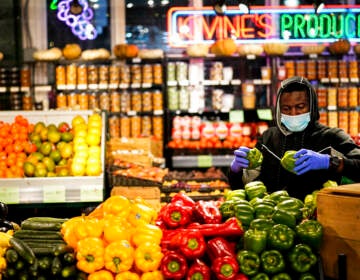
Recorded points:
240,161
307,160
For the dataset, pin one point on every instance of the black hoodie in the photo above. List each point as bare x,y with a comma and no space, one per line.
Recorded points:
316,137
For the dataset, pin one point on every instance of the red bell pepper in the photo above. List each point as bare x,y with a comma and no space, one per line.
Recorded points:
198,271
192,244
183,199
176,215
241,276
220,247
173,265
223,258
225,268
231,227
207,212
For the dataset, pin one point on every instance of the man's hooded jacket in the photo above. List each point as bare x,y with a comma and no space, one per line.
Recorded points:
316,137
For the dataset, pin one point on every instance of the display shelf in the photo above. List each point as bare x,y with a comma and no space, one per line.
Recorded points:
54,189
201,161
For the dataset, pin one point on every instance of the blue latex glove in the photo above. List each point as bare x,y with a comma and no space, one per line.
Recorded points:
240,161
307,160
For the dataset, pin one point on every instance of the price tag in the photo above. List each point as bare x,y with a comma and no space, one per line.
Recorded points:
236,116
204,161
82,87
264,114
135,85
146,85
103,86
91,193
10,195
54,194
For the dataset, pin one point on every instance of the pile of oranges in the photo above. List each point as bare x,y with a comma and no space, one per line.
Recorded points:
15,146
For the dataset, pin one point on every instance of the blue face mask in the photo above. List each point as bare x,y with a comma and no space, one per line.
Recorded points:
296,123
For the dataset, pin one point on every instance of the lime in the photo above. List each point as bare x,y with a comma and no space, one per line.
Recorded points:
49,163
46,148
67,136
38,127
55,156
54,136
52,127
29,169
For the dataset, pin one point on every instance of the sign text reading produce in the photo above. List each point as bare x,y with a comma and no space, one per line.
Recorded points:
296,26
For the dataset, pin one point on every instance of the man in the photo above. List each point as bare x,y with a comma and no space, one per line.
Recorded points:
323,153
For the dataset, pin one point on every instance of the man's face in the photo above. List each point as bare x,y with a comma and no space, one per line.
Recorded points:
294,103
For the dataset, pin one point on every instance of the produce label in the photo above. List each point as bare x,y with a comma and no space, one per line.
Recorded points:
9,195
204,161
91,193
54,194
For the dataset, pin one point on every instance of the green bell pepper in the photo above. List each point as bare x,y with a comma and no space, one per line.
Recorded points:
302,258
260,276
227,209
264,210
307,276
281,237
278,196
240,193
255,189
292,205
262,224
310,232
255,158
284,217
255,240
272,261
281,276
244,212
249,262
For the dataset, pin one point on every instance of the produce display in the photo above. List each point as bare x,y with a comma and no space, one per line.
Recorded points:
281,237
39,149
246,234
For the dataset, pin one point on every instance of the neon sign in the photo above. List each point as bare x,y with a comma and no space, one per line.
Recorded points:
189,25
80,24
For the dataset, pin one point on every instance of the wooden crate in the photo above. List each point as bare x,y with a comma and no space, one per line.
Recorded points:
149,194
339,212
141,146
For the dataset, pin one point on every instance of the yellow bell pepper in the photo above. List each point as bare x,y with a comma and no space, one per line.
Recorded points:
90,254
127,275
147,233
88,227
141,213
3,264
117,228
98,212
148,257
67,231
152,275
101,275
119,256
117,205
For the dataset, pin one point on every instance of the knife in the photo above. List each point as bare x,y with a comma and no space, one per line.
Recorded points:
272,153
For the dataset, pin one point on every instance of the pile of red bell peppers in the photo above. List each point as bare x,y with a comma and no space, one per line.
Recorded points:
196,243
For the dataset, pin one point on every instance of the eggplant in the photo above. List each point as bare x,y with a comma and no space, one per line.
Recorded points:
4,224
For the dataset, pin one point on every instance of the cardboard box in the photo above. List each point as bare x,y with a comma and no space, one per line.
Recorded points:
149,194
338,210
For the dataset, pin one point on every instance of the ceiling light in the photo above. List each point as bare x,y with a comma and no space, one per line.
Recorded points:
220,7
